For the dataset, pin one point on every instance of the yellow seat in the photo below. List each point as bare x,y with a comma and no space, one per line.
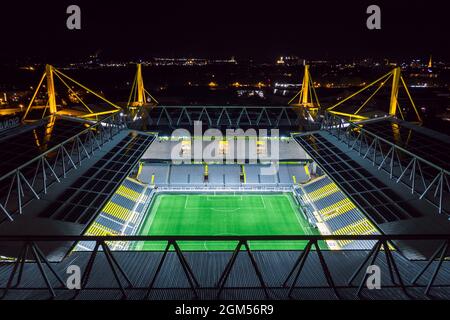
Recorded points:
97,229
337,208
117,211
128,193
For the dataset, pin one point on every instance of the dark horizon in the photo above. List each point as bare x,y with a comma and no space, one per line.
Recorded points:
250,30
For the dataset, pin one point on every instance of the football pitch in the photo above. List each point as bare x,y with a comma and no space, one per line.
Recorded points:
225,214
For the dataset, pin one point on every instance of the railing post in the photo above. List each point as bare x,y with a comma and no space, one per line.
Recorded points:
158,269
300,263
88,269
184,264
40,264
113,264
226,272
325,269
20,260
255,266
442,251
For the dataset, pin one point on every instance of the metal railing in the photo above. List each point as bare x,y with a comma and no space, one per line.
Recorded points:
428,180
29,252
227,188
235,116
32,178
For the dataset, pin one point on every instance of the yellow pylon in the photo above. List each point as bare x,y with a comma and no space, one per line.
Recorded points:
138,94
394,91
51,89
307,96
397,82
50,74
305,87
140,87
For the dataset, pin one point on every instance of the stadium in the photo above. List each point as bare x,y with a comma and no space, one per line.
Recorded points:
297,203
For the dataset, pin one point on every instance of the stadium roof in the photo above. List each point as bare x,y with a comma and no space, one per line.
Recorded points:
25,143
89,192
423,142
380,202
387,196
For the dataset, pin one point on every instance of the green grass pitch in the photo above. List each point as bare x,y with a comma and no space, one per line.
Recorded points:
225,214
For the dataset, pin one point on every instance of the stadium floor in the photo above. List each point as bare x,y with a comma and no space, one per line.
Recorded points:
225,214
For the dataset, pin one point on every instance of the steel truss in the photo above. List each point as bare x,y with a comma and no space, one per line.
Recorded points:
427,180
32,179
51,73
139,95
398,82
225,116
29,252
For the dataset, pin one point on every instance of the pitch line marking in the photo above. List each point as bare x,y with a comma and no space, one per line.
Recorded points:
217,235
296,212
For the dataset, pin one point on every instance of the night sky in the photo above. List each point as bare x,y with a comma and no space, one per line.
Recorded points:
261,30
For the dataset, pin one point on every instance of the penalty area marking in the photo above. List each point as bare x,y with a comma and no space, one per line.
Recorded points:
205,246
221,197
216,196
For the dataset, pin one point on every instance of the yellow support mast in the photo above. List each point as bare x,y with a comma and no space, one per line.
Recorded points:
307,102
394,91
307,96
140,87
50,74
305,87
51,89
138,94
398,82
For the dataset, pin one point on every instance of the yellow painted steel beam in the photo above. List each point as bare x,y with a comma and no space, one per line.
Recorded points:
153,98
88,90
351,115
305,86
372,95
133,88
307,94
76,95
393,105
138,93
411,99
95,114
51,89
34,97
49,74
140,86
296,95
359,91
